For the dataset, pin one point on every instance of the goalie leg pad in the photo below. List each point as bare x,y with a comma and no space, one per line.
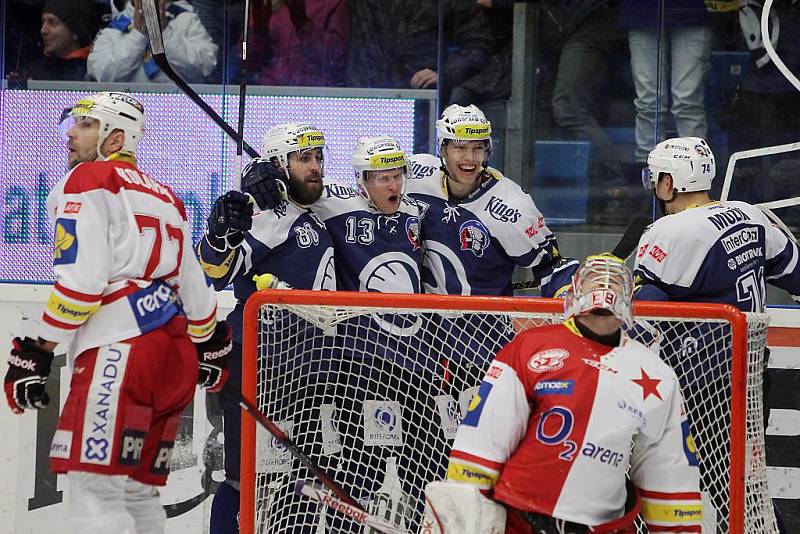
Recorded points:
453,508
96,504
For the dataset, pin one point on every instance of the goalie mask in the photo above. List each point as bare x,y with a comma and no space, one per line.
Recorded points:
462,124
114,111
688,160
602,282
376,154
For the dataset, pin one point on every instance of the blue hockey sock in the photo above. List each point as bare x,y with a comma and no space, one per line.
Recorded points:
225,511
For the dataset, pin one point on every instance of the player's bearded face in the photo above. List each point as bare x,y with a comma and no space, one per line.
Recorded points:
82,141
385,189
464,161
305,176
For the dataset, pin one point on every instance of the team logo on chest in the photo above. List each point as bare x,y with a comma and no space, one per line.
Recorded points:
412,232
474,237
547,360
306,235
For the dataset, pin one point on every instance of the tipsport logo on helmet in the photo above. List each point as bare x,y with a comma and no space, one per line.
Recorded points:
387,161
383,423
473,131
311,139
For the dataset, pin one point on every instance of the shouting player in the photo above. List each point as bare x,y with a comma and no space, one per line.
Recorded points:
129,301
240,244
575,428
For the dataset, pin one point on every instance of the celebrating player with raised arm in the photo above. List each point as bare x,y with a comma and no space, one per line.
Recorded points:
290,242
478,225
130,299
575,428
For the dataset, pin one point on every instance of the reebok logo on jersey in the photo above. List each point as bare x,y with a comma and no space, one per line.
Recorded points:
554,387
739,239
547,360
16,361
501,211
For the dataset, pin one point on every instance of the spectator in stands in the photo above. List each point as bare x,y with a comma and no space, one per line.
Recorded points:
223,20
299,42
670,44
766,111
121,52
68,27
592,36
394,44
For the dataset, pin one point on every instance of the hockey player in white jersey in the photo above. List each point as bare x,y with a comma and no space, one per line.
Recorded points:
129,303
289,242
478,225
548,435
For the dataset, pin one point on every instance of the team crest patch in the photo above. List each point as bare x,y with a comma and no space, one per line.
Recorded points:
412,232
548,360
65,244
474,236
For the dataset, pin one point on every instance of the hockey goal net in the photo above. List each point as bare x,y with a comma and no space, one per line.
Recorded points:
372,387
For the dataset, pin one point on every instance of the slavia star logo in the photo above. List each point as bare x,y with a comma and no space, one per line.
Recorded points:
649,385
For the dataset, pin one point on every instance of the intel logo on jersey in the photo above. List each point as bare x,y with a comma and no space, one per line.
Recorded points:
740,239
554,387
501,211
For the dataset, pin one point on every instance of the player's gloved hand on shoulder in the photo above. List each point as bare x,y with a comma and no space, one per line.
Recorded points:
231,216
264,182
28,369
213,357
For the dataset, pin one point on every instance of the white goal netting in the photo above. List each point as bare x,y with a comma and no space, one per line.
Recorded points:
375,400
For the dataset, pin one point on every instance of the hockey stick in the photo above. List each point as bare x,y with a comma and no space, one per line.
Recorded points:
292,447
157,49
302,487
627,243
242,92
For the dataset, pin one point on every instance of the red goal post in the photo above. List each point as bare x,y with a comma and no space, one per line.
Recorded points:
299,347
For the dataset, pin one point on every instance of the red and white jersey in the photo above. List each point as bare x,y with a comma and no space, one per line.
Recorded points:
123,259
559,418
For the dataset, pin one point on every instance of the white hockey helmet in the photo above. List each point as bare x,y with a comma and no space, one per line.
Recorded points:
114,110
464,123
601,282
286,138
688,160
380,153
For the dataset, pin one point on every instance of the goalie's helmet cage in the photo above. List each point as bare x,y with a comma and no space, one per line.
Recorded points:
464,123
688,160
602,282
114,110
380,153
286,138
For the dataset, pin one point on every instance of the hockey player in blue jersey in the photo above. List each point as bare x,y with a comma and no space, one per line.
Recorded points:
703,250
478,225
240,244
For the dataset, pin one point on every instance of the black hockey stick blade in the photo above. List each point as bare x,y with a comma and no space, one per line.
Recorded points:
160,57
292,447
629,240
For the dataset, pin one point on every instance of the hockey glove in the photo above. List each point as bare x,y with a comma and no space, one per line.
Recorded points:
264,182
231,215
28,369
213,357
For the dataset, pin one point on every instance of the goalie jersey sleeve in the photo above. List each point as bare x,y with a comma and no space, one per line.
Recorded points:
721,252
473,245
551,427
122,258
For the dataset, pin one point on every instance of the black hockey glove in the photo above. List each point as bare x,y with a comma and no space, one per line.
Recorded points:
265,182
213,357
231,215
28,369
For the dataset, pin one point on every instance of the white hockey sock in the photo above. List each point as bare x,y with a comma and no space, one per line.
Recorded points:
143,503
96,504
